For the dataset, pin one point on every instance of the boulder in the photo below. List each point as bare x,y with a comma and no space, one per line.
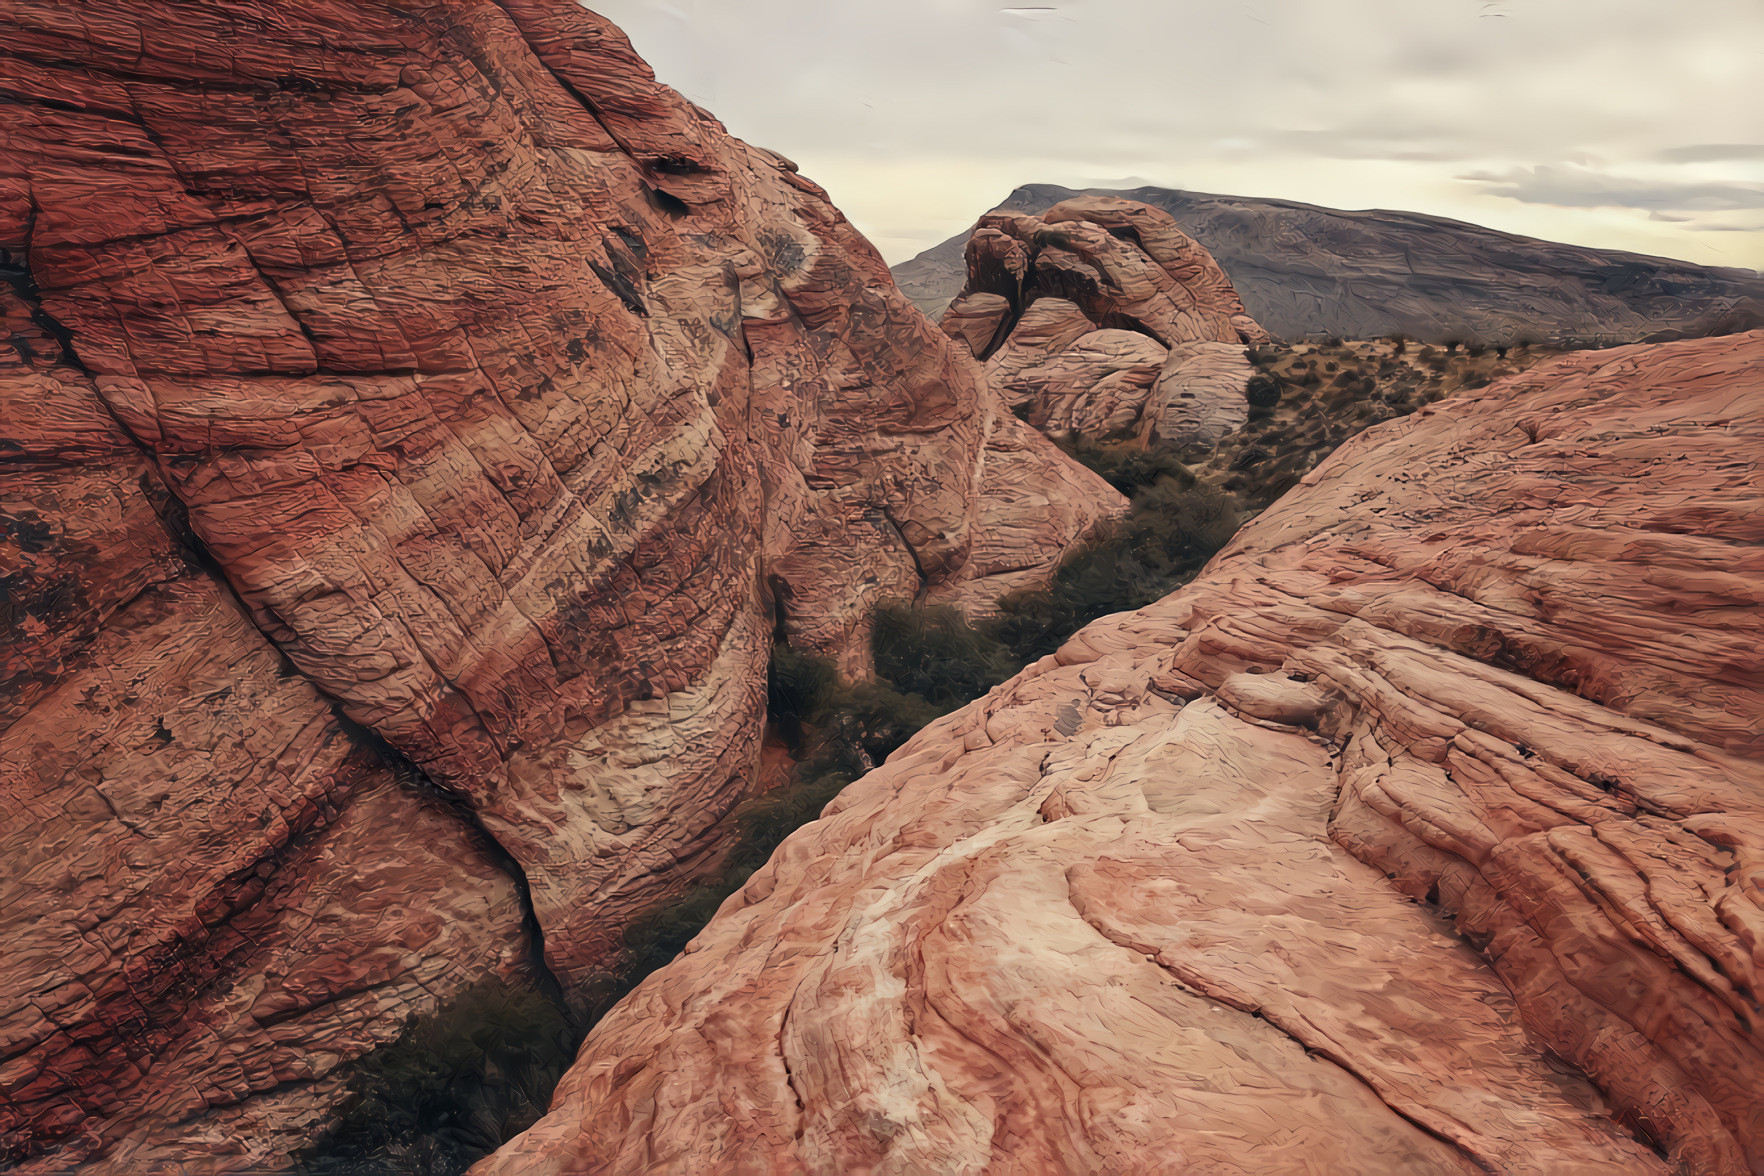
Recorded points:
1124,327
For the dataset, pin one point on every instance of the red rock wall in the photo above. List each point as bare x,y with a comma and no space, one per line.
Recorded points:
1423,832
432,365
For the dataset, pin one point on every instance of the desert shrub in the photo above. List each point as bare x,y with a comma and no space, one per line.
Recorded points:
1173,528
799,689
1128,467
1263,391
453,1087
936,654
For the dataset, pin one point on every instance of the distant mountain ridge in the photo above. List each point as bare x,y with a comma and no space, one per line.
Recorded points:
1304,270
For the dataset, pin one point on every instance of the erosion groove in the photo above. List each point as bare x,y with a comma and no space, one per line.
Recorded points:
459,807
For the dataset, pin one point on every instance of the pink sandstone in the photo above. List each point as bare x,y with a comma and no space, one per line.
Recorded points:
1423,832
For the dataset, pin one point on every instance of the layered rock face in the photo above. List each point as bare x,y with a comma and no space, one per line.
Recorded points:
418,422
1424,832
1101,317
1308,271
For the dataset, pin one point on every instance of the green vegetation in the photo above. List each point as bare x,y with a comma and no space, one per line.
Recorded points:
451,1089
1174,526
1308,398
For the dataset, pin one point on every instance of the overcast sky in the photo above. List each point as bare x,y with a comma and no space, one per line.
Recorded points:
1616,123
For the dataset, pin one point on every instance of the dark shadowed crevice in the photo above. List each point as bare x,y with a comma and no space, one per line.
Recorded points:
918,565
621,286
16,270
411,775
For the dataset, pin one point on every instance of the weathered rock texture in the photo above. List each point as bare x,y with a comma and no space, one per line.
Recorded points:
407,390
1306,271
1447,770
1101,317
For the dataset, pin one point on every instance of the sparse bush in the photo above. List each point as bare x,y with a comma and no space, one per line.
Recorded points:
936,654
1128,467
1174,527
1263,391
799,688
453,1087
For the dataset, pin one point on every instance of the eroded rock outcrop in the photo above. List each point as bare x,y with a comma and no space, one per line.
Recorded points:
1101,317
1306,271
1438,794
404,401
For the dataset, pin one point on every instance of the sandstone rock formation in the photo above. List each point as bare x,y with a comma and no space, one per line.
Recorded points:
1306,271
417,422
1438,794
1101,317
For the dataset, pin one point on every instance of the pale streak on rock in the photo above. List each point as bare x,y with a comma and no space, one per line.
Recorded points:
1501,657
1198,394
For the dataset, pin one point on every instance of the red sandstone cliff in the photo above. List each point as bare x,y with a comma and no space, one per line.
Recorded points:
1424,832
415,421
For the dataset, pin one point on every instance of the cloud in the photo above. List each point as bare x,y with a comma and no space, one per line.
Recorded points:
1713,153
1579,187
1353,144
918,114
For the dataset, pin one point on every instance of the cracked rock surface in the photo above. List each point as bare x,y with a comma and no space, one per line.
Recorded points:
420,377
1423,832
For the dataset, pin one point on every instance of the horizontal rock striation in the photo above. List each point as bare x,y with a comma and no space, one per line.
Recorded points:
1305,271
1100,317
1421,833
412,412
